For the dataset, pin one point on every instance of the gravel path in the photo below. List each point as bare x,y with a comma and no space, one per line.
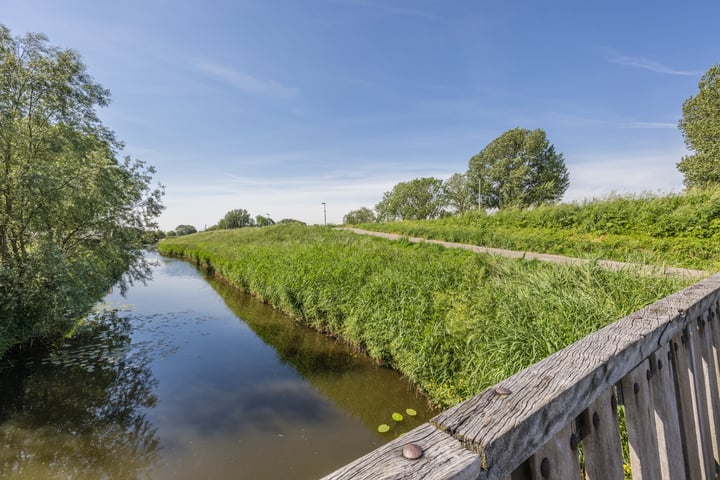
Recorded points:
544,257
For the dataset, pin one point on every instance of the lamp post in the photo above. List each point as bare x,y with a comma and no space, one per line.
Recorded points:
324,213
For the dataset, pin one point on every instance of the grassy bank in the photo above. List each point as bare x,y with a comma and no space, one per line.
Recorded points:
452,321
681,230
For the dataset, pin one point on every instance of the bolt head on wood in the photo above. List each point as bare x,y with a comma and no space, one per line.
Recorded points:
412,452
503,391
596,419
545,468
574,441
636,388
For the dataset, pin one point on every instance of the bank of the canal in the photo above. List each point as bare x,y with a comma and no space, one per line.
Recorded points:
188,378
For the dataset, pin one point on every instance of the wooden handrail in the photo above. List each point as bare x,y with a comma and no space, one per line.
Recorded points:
661,363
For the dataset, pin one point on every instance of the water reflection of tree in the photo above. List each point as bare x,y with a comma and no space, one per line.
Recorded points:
80,412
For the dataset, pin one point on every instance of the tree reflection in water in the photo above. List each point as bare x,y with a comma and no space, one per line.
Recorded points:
80,411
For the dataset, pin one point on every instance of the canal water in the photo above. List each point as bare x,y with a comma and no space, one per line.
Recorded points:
186,378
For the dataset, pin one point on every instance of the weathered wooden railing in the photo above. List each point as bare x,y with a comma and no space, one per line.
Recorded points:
558,419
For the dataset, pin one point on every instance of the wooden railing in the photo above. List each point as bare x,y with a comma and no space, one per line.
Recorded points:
559,419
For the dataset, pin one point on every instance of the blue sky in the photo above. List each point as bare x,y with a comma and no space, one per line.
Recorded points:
278,105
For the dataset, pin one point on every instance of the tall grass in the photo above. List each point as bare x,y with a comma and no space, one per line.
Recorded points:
452,321
673,230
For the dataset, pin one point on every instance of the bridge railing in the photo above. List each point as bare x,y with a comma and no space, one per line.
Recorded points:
653,374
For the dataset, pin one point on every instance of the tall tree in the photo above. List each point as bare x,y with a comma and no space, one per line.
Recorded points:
519,168
459,193
700,126
237,218
72,215
361,215
418,199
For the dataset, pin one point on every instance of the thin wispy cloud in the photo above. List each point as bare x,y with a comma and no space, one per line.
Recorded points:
245,82
653,66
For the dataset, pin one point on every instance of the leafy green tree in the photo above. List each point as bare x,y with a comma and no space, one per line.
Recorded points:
418,199
459,194
181,230
72,214
700,126
237,218
519,168
263,221
361,215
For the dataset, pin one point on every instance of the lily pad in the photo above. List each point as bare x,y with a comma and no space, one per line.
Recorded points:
397,417
411,412
384,428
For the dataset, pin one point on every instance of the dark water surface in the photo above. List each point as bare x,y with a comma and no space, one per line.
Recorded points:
186,378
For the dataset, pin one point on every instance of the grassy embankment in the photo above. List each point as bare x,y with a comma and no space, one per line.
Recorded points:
452,321
681,230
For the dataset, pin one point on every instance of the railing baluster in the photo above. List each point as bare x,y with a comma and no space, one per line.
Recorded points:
696,465
601,443
558,458
640,418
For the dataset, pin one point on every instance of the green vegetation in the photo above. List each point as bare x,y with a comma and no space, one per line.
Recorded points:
73,216
700,126
520,168
418,199
452,321
673,230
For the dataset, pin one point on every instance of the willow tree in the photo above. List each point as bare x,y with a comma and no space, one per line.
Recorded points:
72,212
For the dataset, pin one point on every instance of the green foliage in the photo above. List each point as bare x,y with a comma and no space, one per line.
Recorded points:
72,215
452,321
361,215
237,218
700,126
520,168
181,230
458,193
263,221
676,230
418,199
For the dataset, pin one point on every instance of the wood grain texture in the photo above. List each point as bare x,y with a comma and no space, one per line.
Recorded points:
506,430
640,418
557,457
601,445
443,458
667,423
696,464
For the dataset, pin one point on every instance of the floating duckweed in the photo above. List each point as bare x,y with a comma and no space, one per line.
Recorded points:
397,417
383,428
411,412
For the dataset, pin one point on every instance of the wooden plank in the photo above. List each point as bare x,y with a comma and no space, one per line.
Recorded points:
507,429
711,333
696,466
667,423
640,418
601,443
443,458
695,345
710,381
558,458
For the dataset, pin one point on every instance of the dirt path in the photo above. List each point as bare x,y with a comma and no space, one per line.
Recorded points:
544,257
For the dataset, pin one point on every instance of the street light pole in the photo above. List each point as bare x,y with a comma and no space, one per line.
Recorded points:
324,213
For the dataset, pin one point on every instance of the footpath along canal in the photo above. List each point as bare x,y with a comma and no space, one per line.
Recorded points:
187,378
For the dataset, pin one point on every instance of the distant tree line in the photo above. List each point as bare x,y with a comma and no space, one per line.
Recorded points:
520,168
